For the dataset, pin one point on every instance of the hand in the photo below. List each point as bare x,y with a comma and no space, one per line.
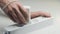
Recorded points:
17,13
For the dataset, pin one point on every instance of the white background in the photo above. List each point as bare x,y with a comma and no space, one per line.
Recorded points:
52,6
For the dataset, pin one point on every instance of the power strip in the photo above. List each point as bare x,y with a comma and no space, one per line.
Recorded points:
35,24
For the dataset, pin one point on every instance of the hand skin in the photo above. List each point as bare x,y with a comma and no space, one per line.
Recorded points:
16,12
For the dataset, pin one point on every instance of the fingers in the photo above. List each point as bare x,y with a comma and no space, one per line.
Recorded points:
23,11
10,16
19,15
8,12
39,13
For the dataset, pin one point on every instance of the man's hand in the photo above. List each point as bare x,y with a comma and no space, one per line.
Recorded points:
17,13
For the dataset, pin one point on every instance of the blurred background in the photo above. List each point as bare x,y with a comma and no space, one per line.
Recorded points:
51,6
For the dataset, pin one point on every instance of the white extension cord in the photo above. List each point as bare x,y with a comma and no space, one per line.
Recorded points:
35,23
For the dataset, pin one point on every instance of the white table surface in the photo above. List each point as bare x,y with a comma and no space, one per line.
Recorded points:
50,6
